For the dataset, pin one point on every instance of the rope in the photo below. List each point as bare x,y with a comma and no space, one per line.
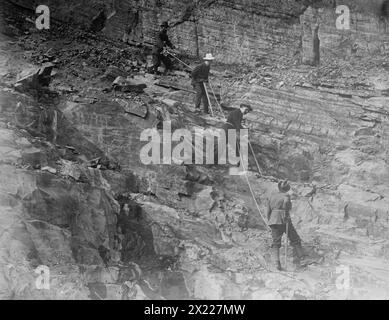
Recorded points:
247,179
209,100
250,145
251,148
190,68
168,52
255,158
217,102
252,191
286,244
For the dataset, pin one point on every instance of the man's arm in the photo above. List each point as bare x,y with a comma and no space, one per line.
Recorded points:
168,43
196,73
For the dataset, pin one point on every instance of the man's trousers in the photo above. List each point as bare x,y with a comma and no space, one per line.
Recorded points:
160,58
201,95
277,231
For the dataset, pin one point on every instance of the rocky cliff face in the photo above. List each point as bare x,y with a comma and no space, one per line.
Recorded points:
234,31
305,125
75,196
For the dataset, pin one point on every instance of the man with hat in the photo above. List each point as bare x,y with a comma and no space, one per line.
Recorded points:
162,42
200,75
235,118
234,122
279,221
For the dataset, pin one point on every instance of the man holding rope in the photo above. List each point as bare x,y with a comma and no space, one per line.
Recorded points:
279,221
158,54
234,122
200,76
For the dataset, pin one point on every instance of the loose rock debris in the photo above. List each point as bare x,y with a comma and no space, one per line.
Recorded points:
110,213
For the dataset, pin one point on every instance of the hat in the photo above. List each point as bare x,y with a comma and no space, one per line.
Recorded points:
245,105
284,186
209,56
165,24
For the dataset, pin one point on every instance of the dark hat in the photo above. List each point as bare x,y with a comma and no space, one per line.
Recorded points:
165,24
245,105
284,186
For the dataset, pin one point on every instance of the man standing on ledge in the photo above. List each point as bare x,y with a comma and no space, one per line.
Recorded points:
200,76
162,42
278,215
235,118
234,122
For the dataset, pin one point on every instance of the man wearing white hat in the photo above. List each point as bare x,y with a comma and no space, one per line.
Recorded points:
278,215
200,75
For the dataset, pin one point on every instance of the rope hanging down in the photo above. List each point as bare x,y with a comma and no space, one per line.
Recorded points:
251,148
209,100
166,51
242,163
250,145
252,192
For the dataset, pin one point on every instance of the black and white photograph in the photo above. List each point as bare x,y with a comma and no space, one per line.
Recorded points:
216,152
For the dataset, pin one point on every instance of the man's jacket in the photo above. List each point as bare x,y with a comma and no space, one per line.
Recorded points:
200,73
234,120
162,41
278,208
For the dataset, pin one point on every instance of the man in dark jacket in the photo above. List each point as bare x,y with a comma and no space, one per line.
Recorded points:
162,42
235,118
200,76
234,122
279,221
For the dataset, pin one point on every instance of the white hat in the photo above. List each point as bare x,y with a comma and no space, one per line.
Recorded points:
209,56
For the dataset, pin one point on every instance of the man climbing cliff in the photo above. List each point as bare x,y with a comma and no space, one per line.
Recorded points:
200,76
235,118
163,41
279,221
234,122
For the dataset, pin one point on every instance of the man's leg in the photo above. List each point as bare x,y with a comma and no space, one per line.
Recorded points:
167,62
234,148
300,258
293,236
205,99
199,94
157,62
295,242
276,233
237,148
221,151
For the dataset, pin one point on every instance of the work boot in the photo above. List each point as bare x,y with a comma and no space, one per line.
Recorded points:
275,259
302,259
